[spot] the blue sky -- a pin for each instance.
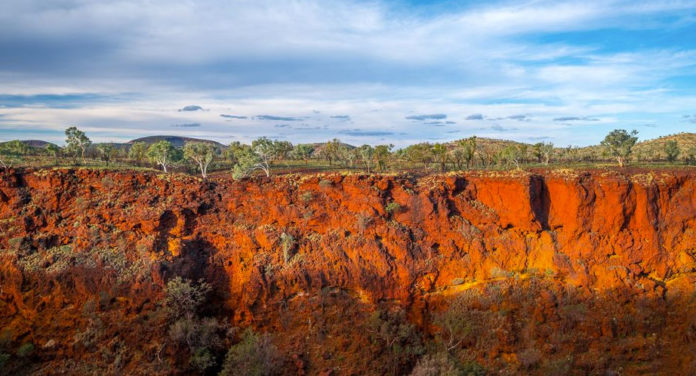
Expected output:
(390, 71)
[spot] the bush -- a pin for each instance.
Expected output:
(398, 341)
(436, 365)
(254, 355)
(392, 207)
(184, 298)
(306, 197)
(288, 242)
(4, 358)
(201, 337)
(25, 350)
(202, 359)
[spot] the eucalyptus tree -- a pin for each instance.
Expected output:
(202, 153)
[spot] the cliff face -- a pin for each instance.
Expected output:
(271, 247)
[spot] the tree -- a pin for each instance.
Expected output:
(138, 151)
(303, 152)
(512, 155)
(265, 150)
(330, 150)
(201, 153)
(457, 157)
(367, 155)
(419, 153)
(619, 144)
(53, 150)
(254, 355)
(258, 156)
(162, 153)
(282, 150)
(107, 152)
(234, 150)
(672, 150)
(468, 147)
(382, 155)
(348, 155)
(12, 149)
(542, 152)
(440, 155)
(76, 140)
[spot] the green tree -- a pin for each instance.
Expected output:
(54, 151)
(331, 150)
(672, 150)
(281, 150)
(138, 151)
(201, 153)
(77, 141)
(542, 152)
(419, 153)
(256, 157)
(162, 153)
(468, 147)
(233, 151)
(107, 152)
(512, 155)
(439, 152)
(303, 152)
(382, 156)
(367, 156)
(14, 149)
(254, 355)
(619, 144)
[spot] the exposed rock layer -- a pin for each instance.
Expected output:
(264, 243)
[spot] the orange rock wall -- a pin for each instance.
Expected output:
(264, 241)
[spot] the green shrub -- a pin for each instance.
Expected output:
(25, 350)
(436, 365)
(288, 242)
(4, 358)
(392, 207)
(202, 359)
(254, 355)
(185, 298)
(397, 339)
(306, 197)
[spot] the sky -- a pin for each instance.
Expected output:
(383, 71)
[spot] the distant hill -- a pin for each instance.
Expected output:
(655, 148)
(177, 141)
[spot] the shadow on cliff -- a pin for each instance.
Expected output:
(196, 262)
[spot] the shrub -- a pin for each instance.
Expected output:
(364, 221)
(184, 298)
(306, 197)
(436, 365)
(529, 358)
(288, 242)
(392, 207)
(254, 355)
(202, 359)
(4, 358)
(201, 337)
(25, 350)
(325, 183)
(398, 340)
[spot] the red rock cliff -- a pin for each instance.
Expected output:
(266, 243)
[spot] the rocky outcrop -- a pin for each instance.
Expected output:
(115, 237)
